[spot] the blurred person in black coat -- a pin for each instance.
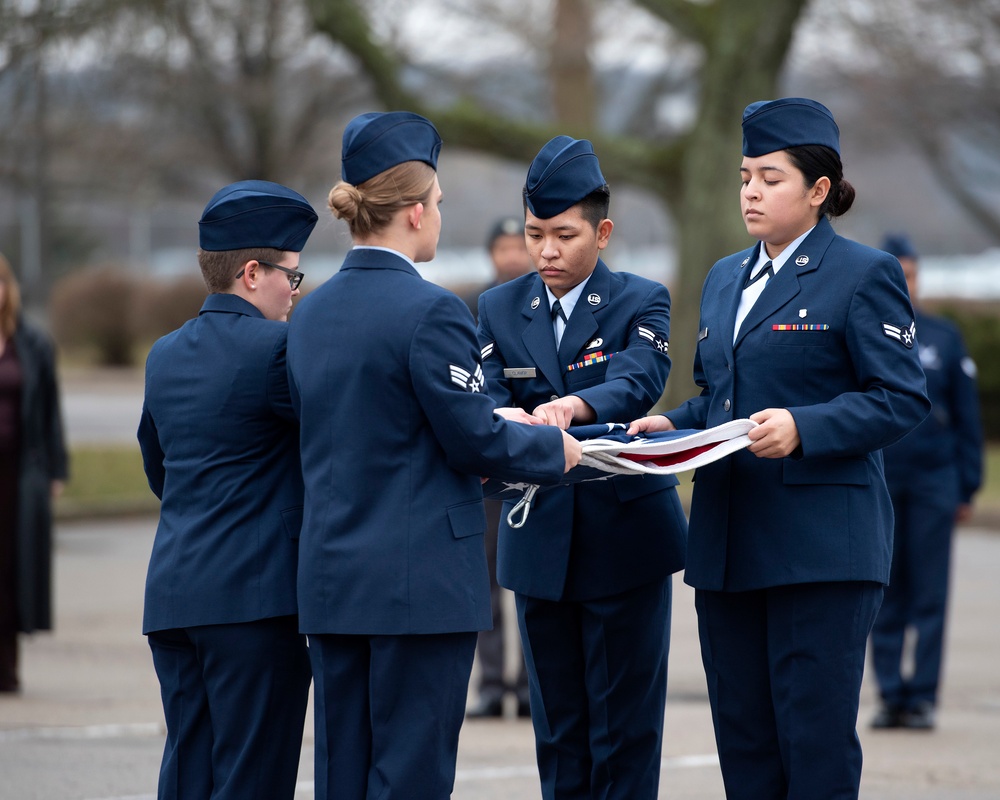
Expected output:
(33, 467)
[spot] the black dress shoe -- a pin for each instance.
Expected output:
(887, 717)
(920, 718)
(485, 709)
(523, 709)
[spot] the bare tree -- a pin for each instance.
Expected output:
(242, 86)
(742, 48)
(29, 41)
(928, 71)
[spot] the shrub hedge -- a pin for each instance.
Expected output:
(110, 316)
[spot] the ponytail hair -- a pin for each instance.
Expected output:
(369, 207)
(816, 161)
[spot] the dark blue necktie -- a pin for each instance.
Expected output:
(768, 269)
(558, 312)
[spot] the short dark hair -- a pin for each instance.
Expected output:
(815, 161)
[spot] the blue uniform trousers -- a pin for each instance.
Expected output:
(918, 589)
(235, 698)
(388, 713)
(598, 681)
(784, 668)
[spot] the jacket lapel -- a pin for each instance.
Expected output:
(729, 297)
(785, 285)
(538, 336)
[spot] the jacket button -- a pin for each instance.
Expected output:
(554, 397)
(727, 405)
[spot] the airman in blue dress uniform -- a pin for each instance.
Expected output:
(591, 569)
(932, 474)
(811, 335)
(396, 429)
(219, 443)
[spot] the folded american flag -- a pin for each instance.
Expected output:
(608, 450)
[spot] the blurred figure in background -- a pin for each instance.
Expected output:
(33, 467)
(510, 259)
(932, 474)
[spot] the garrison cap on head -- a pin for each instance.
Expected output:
(256, 214)
(505, 226)
(770, 125)
(899, 245)
(377, 141)
(564, 172)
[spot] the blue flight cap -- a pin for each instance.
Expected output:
(377, 141)
(256, 214)
(564, 172)
(770, 125)
(899, 245)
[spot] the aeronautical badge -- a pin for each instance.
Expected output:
(906, 335)
(473, 381)
(660, 344)
(487, 350)
(593, 343)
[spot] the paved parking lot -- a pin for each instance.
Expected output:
(88, 725)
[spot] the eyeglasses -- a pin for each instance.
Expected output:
(294, 276)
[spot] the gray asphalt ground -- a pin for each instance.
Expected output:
(88, 724)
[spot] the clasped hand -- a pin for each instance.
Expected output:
(775, 436)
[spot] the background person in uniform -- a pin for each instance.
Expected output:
(509, 258)
(577, 343)
(810, 335)
(396, 429)
(932, 474)
(33, 468)
(219, 444)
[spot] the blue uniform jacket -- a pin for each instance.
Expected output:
(951, 437)
(219, 445)
(830, 340)
(602, 537)
(396, 430)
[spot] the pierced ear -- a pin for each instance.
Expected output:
(250, 274)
